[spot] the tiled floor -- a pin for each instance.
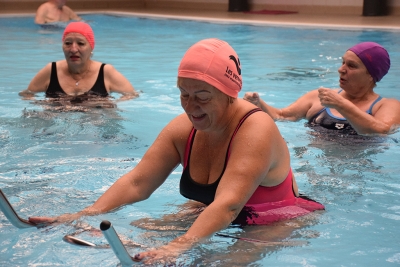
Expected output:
(302, 20)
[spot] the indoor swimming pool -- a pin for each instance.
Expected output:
(54, 162)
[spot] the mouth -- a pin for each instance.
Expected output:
(73, 58)
(198, 117)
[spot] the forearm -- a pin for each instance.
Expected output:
(128, 96)
(121, 193)
(361, 121)
(208, 223)
(26, 93)
(273, 112)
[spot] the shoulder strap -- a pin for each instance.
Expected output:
(369, 111)
(188, 147)
(228, 153)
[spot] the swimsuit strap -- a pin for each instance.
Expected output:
(190, 140)
(237, 129)
(369, 111)
(188, 147)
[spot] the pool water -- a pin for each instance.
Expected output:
(59, 162)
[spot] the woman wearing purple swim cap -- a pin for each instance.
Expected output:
(353, 109)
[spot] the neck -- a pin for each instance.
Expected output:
(359, 97)
(79, 75)
(225, 129)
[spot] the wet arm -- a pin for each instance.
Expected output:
(40, 17)
(137, 185)
(72, 15)
(382, 121)
(118, 83)
(158, 162)
(39, 83)
(294, 112)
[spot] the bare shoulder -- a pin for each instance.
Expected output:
(44, 6)
(177, 131)
(107, 67)
(180, 126)
(67, 9)
(258, 125)
(387, 103)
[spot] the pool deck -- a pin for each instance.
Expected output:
(350, 22)
(391, 23)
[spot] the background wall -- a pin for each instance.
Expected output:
(352, 7)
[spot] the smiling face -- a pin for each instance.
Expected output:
(353, 73)
(204, 104)
(77, 49)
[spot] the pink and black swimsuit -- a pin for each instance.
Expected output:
(266, 205)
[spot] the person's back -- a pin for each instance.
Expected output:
(54, 11)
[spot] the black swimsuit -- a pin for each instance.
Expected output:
(55, 91)
(327, 120)
(203, 193)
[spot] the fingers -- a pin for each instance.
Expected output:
(252, 97)
(41, 220)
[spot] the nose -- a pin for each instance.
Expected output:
(341, 69)
(74, 47)
(189, 104)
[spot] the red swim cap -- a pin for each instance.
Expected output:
(215, 62)
(82, 28)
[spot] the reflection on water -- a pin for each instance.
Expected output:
(341, 165)
(294, 74)
(234, 246)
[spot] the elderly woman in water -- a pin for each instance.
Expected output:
(78, 77)
(353, 109)
(235, 161)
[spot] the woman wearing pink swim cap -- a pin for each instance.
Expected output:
(355, 109)
(236, 165)
(78, 77)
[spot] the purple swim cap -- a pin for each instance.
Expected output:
(375, 58)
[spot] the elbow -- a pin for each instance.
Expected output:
(233, 212)
(380, 129)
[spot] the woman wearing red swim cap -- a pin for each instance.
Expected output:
(78, 74)
(236, 163)
(353, 109)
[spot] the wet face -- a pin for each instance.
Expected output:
(204, 104)
(77, 49)
(353, 74)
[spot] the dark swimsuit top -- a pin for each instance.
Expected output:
(204, 193)
(326, 119)
(55, 91)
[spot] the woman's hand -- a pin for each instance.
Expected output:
(168, 253)
(329, 98)
(253, 98)
(45, 221)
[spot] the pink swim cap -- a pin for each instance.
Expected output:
(375, 58)
(215, 62)
(82, 28)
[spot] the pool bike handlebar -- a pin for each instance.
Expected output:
(11, 215)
